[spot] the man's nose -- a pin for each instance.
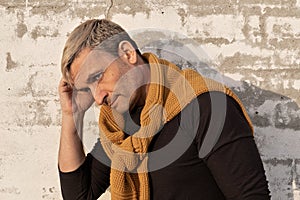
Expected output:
(99, 95)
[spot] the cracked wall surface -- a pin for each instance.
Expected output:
(253, 46)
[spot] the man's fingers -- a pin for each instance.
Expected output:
(64, 86)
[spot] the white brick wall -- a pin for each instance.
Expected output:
(254, 44)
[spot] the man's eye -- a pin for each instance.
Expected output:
(97, 76)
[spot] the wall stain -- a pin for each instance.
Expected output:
(283, 12)
(54, 7)
(29, 88)
(230, 63)
(21, 26)
(183, 16)
(285, 43)
(274, 162)
(10, 190)
(216, 41)
(83, 10)
(296, 171)
(39, 31)
(133, 7)
(10, 64)
(34, 113)
(287, 115)
(21, 29)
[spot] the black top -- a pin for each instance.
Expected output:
(205, 152)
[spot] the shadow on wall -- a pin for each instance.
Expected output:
(266, 108)
(272, 114)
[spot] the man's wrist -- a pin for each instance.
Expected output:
(73, 116)
(72, 122)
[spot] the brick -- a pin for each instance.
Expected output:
(293, 12)
(279, 176)
(216, 27)
(269, 2)
(244, 61)
(287, 59)
(250, 10)
(12, 3)
(252, 30)
(283, 27)
(269, 139)
(289, 43)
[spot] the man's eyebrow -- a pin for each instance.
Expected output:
(91, 76)
(81, 89)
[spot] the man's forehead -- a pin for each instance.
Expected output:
(88, 62)
(86, 55)
(78, 61)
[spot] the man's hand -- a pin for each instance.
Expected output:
(73, 101)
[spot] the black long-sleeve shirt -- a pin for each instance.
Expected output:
(230, 169)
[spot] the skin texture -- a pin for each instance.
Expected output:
(101, 78)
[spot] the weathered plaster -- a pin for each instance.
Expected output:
(250, 45)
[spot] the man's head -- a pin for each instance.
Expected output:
(101, 60)
(95, 33)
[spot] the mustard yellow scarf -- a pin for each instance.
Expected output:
(170, 90)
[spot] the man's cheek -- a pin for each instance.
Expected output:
(84, 100)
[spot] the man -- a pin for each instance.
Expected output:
(164, 133)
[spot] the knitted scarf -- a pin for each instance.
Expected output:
(169, 91)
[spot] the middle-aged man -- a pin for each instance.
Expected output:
(165, 133)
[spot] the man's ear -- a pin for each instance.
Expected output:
(127, 52)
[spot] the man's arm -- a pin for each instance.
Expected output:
(71, 154)
(234, 161)
(87, 182)
(81, 177)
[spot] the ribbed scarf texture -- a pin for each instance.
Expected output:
(169, 91)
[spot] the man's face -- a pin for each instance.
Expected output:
(109, 80)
